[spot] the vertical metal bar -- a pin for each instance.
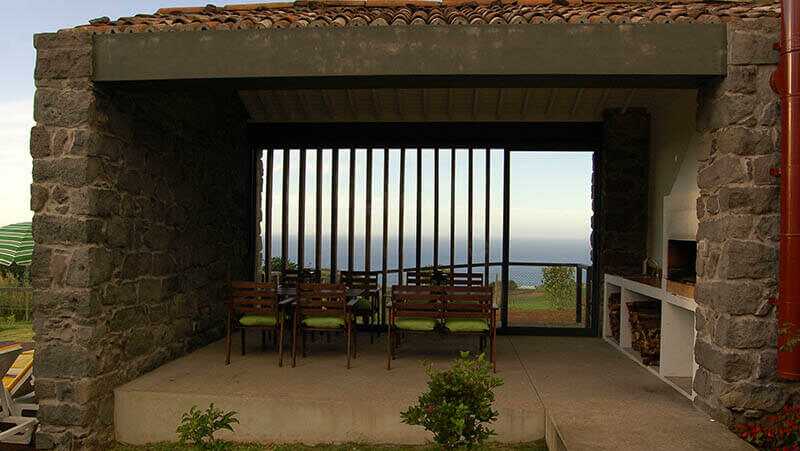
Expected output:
(589, 298)
(418, 242)
(301, 211)
(351, 204)
(469, 211)
(385, 262)
(334, 211)
(487, 214)
(452, 209)
(318, 221)
(252, 215)
(368, 214)
(436, 208)
(506, 224)
(268, 215)
(401, 213)
(578, 293)
(285, 212)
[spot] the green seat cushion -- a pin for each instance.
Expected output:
(466, 325)
(363, 304)
(257, 320)
(418, 324)
(324, 322)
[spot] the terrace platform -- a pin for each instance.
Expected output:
(577, 391)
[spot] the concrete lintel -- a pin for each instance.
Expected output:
(601, 50)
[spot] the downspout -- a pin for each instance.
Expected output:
(786, 82)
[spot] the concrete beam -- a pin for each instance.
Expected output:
(653, 51)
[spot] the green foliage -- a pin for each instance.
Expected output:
(15, 276)
(275, 264)
(790, 335)
(558, 283)
(197, 427)
(779, 431)
(457, 407)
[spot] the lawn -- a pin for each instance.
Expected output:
(19, 332)
(535, 446)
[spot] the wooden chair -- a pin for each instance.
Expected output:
(291, 277)
(464, 279)
(469, 310)
(254, 305)
(414, 309)
(367, 306)
(421, 278)
(322, 307)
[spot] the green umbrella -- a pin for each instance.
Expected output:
(16, 244)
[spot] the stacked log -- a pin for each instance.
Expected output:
(645, 320)
(614, 301)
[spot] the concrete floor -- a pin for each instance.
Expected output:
(587, 396)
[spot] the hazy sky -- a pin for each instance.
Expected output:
(550, 191)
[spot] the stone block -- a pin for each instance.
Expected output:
(767, 227)
(730, 226)
(65, 62)
(64, 108)
(71, 172)
(92, 201)
(748, 46)
(750, 199)
(749, 259)
(40, 141)
(63, 360)
(740, 80)
(89, 266)
(739, 297)
(52, 229)
(66, 414)
(743, 141)
(722, 171)
(729, 365)
(61, 39)
(39, 195)
(745, 395)
(746, 332)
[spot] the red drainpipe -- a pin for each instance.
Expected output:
(786, 82)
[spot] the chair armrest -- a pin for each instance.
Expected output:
(288, 300)
(352, 302)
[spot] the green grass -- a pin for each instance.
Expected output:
(21, 332)
(534, 446)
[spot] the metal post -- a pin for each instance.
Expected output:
(285, 212)
(436, 208)
(418, 242)
(469, 212)
(452, 210)
(268, 215)
(401, 213)
(351, 204)
(318, 222)
(334, 211)
(487, 214)
(385, 262)
(368, 215)
(578, 294)
(506, 223)
(301, 211)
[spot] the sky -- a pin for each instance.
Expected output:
(551, 195)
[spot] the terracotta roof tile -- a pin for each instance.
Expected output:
(341, 13)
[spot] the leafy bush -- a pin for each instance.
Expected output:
(779, 431)
(276, 262)
(457, 407)
(197, 427)
(558, 283)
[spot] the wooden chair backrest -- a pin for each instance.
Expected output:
(416, 301)
(421, 278)
(359, 279)
(463, 279)
(467, 302)
(322, 299)
(255, 298)
(291, 277)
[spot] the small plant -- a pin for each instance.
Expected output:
(457, 407)
(197, 427)
(790, 335)
(775, 432)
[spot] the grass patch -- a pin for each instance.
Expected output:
(19, 332)
(534, 446)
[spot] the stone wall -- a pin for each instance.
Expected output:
(141, 214)
(737, 237)
(620, 217)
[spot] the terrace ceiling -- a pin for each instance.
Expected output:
(482, 104)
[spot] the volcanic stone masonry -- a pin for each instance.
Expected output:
(738, 210)
(140, 200)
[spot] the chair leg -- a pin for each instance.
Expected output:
(243, 343)
(280, 343)
(354, 333)
(303, 342)
(263, 340)
(228, 340)
(349, 333)
(389, 348)
(294, 342)
(493, 350)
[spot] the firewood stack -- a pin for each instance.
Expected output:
(613, 314)
(645, 319)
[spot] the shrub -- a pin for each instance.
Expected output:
(779, 431)
(457, 407)
(197, 427)
(558, 283)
